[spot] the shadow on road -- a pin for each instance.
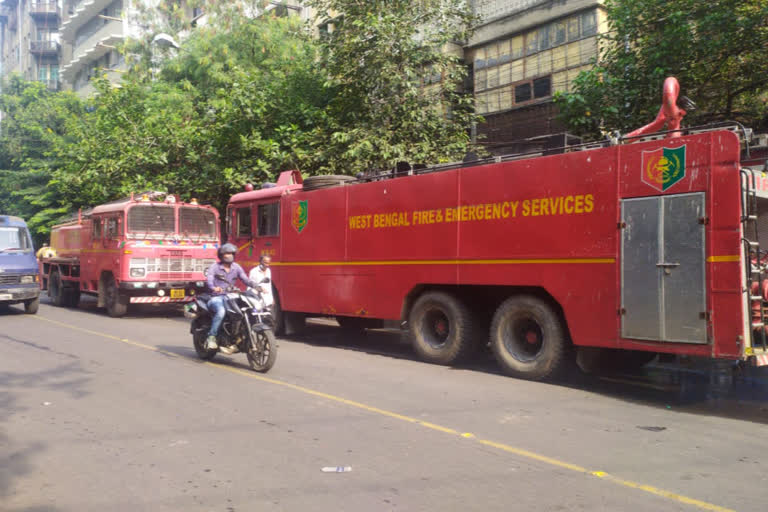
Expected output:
(697, 386)
(69, 376)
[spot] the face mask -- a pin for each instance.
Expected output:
(228, 258)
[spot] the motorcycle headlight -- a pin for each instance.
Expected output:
(138, 272)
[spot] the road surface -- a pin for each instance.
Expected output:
(119, 415)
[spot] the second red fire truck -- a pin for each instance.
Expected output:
(136, 250)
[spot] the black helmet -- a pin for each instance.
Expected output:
(227, 249)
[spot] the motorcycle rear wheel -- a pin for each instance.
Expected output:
(262, 358)
(198, 340)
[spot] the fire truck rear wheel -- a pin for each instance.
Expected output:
(441, 328)
(528, 338)
(117, 305)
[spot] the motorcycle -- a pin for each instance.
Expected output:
(247, 327)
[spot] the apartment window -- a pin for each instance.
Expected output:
(523, 92)
(589, 23)
(542, 87)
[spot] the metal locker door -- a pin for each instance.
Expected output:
(640, 284)
(683, 269)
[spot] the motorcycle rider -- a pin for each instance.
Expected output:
(222, 276)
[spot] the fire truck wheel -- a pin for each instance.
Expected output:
(441, 328)
(72, 297)
(278, 318)
(116, 305)
(528, 338)
(56, 289)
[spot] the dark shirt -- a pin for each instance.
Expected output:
(219, 277)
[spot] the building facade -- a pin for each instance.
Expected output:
(30, 43)
(521, 54)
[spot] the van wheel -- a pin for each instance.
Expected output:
(528, 338)
(31, 306)
(441, 328)
(117, 305)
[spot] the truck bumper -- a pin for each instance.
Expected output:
(16, 294)
(163, 293)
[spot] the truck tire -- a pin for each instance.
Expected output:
(31, 306)
(71, 297)
(117, 305)
(527, 338)
(56, 289)
(441, 328)
(278, 317)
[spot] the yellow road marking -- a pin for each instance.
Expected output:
(444, 262)
(720, 259)
(383, 412)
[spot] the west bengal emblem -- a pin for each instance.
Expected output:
(663, 167)
(299, 215)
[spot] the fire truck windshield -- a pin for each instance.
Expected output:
(152, 219)
(197, 222)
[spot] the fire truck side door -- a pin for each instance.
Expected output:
(266, 236)
(663, 269)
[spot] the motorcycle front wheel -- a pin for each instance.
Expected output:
(262, 353)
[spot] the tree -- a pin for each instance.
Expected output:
(378, 58)
(718, 50)
(34, 125)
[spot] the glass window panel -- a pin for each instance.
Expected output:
(573, 28)
(557, 33)
(505, 51)
(505, 98)
(589, 23)
(516, 71)
(531, 67)
(493, 77)
(269, 219)
(560, 82)
(480, 103)
(558, 58)
(517, 47)
(505, 74)
(493, 101)
(532, 42)
(588, 49)
(481, 80)
(523, 93)
(543, 37)
(573, 54)
(545, 62)
(542, 87)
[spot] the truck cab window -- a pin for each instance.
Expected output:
(243, 222)
(269, 219)
(113, 228)
(96, 232)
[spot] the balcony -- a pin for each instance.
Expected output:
(82, 12)
(45, 10)
(44, 47)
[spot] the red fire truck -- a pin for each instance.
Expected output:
(650, 244)
(132, 251)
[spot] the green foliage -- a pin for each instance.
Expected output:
(377, 57)
(34, 124)
(717, 50)
(242, 99)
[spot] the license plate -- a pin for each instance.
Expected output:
(6, 296)
(177, 294)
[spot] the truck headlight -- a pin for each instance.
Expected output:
(27, 279)
(138, 272)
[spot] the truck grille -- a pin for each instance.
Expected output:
(181, 268)
(10, 279)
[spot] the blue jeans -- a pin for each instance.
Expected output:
(216, 305)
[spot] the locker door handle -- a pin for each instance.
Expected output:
(667, 265)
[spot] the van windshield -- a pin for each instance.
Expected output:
(14, 239)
